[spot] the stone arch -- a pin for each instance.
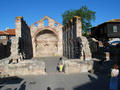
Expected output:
(45, 28)
(46, 42)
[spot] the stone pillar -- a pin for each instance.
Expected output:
(41, 25)
(18, 24)
(14, 48)
(34, 46)
(15, 40)
(60, 42)
(82, 55)
(86, 48)
(78, 26)
(51, 23)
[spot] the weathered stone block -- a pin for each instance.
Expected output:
(24, 68)
(77, 66)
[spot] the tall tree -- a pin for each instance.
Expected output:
(86, 16)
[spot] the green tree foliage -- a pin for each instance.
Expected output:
(86, 16)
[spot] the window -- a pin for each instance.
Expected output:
(2, 37)
(114, 28)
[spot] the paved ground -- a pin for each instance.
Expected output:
(83, 81)
(56, 81)
(50, 63)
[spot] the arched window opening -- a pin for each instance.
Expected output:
(36, 24)
(46, 22)
(55, 24)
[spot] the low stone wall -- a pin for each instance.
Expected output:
(77, 66)
(27, 67)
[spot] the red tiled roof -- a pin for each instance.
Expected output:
(11, 31)
(8, 32)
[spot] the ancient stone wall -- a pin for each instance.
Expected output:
(25, 41)
(71, 32)
(46, 38)
(41, 39)
(86, 51)
(15, 40)
(74, 44)
(77, 66)
(94, 47)
(27, 67)
(21, 44)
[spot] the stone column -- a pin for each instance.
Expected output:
(15, 40)
(41, 25)
(34, 48)
(51, 23)
(60, 42)
(18, 23)
(78, 26)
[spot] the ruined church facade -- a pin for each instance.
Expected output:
(46, 37)
(43, 38)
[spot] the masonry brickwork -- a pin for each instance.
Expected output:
(21, 44)
(25, 41)
(74, 44)
(46, 38)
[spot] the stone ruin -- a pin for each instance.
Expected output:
(40, 39)
(52, 39)
(21, 48)
(46, 38)
(74, 44)
(77, 48)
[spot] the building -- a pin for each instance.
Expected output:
(46, 37)
(43, 38)
(107, 30)
(108, 35)
(5, 44)
(6, 35)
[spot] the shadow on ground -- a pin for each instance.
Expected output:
(102, 71)
(23, 86)
(10, 80)
(99, 83)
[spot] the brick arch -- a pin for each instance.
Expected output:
(45, 47)
(45, 28)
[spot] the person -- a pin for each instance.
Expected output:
(60, 64)
(114, 78)
(48, 88)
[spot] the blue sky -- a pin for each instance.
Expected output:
(34, 10)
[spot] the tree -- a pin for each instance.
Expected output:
(86, 16)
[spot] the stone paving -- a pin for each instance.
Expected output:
(54, 80)
(50, 63)
(84, 81)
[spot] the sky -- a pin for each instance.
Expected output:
(34, 10)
